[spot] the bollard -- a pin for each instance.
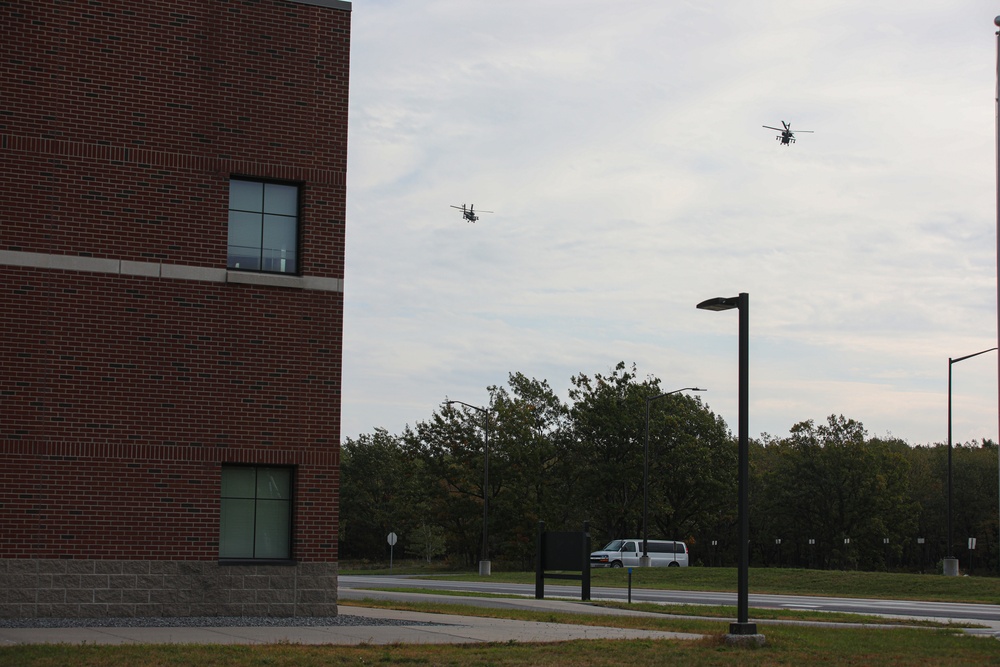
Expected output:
(630, 585)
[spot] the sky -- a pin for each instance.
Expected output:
(620, 147)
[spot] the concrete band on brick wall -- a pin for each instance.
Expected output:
(57, 588)
(170, 271)
(331, 4)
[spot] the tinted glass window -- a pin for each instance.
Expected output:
(255, 513)
(263, 226)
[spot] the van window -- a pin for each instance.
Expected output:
(629, 546)
(613, 545)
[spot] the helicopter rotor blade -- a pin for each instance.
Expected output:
(777, 129)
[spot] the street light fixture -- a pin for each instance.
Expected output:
(484, 563)
(742, 627)
(644, 561)
(950, 563)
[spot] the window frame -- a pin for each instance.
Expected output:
(300, 191)
(243, 560)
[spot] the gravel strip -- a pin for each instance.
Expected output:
(203, 622)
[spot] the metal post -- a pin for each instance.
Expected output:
(742, 303)
(644, 560)
(996, 22)
(484, 564)
(950, 563)
(743, 587)
(540, 563)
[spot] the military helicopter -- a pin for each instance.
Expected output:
(787, 136)
(468, 213)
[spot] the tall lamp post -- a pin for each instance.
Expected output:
(484, 563)
(950, 563)
(996, 22)
(644, 561)
(743, 626)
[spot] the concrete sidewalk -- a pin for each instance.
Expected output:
(444, 629)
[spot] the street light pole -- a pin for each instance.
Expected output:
(484, 563)
(950, 563)
(743, 626)
(644, 561)
(996, 22)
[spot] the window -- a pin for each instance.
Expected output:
(263, 226)
(256, 513)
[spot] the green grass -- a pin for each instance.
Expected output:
(408, 566)
(798, 615)
(830, 583)
(786, 645)
(705, 611)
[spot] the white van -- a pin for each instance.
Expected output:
(626, 553)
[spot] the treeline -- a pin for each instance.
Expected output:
(826, 495)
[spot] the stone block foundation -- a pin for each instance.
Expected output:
(63, 588)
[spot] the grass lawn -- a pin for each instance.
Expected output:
(702, 611)
(786, 645)
(831, 583)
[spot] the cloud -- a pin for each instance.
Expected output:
(622, 151)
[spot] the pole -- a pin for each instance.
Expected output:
(996, 22)
(644, 562)
(742, 627)
(947, 552)
(484, 565)
(950, 563)
(743, 586)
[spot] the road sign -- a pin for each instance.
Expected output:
(391, 539)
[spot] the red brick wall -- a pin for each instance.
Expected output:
(121, 123)
(198, 77)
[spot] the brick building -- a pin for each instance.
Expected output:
(171, 287)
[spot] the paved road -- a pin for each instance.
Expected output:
(984, 613)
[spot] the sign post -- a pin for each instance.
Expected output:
(563, 552)
(391, 539)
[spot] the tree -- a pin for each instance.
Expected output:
(450, 449)
(608, 416)
(377, 494)
(692, 469)
(974, 511)
(528, 461)
(427, 542)
(692, 458)
(832, 483)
